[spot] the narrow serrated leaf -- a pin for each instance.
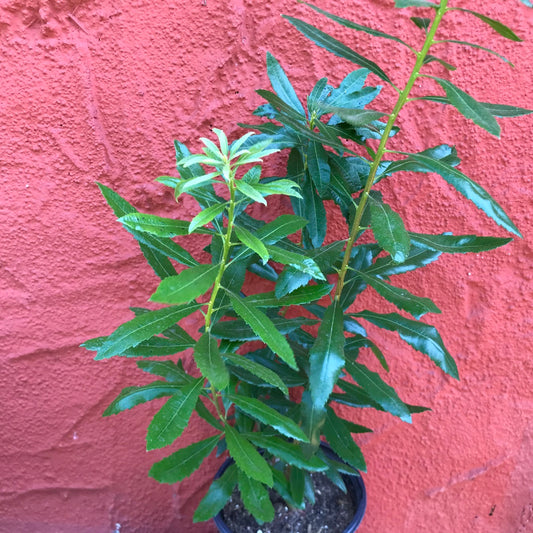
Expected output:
(389, 231)
(358, 27)
(291, 453)
(382, 393)
(264, 328)
(414, 3)
(340, 440)
(457, 244)
(496, 25)
(469, 107)
(218, 494)
(170, 421)
(252, 242)
(205, 216)
(247, 458)
(143, 327)
(281, 84)
(470, 190)
(401, 298)
(326, 357)
(420, 336)
(335, 47)
(263, 413)
(256, 498)
(210, 362)
(187, 285)
(263, 373)
(159, 226)
(133, 396)
(184, 462)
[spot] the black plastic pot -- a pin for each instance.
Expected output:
(354, 484)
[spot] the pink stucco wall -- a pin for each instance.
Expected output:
(98, 90)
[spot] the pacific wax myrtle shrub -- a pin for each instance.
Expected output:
(269, 407)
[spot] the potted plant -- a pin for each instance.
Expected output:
(274, 358)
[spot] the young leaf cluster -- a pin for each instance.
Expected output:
(271, 406)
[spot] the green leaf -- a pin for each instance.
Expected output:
(499, 110)
(205, 216)
(169, 370)
(319, 93)
(298, 261)
(153, 347)
(292, 454)
(197, 182)
(290, 280)
(297, 487)
(159, 262)
(317, 161)
(470, 189)
(260, 411)
(312, 209)
(457, 244)
(384, 395)
(218, 494)
(133, 396)
(422, 23)
(473, 45)
(281, 84)
(247, 458)
(355, 117)
(143, 327)
(414, 3)
(264, 328)
(496, 25)
(252, 242)
(467, 106)
(158, 226)
(418, 257)
(239, 330)
(326, 357)
(313, 417)
(283, 110)
(155, 250)
(353, 344)
(431, 59)
(302, 295)
(389, 231)
(358, 27)
(335, 47)
(420, 336)
(184, 462)
(170, 421)
(258, 370)
(280, 186)
(255, 498)
(401, 298)
(340, 440)
(250, 191)
(166, 247)
(187, 285)
(210, 362)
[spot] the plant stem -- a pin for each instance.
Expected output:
(226, 250)
(402, 99)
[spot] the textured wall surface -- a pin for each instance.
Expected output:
(96, 90)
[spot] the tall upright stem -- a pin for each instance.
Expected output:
(225, 252)
(402, 99)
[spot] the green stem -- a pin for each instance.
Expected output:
(402, 99)
(225, 253)
(215, 395)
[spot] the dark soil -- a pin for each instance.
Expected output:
(331, 513)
